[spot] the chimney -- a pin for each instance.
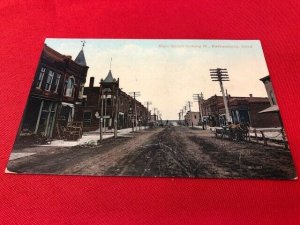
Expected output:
(251, 95)
(92, 79)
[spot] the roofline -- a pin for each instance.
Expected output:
(47, 48)
(232, 97)
(265, 78)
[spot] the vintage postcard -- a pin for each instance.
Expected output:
(155, 108)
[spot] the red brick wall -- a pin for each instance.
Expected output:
(262, 119)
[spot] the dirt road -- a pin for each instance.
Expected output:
(163, 152)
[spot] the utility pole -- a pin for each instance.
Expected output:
(189, 104)
(199, 98)
(148, 104)
(185, 109)
(135, 95)
(116, 100)
(221, 75)
(181, 111)
(101, 117)
(105, 107)
(159, 116)
(154, 113)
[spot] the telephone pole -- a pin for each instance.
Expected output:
(189, 104)
(135, 94)
(101, 117)
(116, 103)
(184, 109)
(181, 111)
(221, 75)
(154, 113)
(148, 104)
(199, 98)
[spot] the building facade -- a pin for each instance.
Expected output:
(273, 109)
(271, 96)
(269, 88)
(56, 89)
(192, 118)
(110, 102)
(242, 109)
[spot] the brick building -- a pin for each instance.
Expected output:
(242, 109)
(109, 100)
(56, 89)
(192, 118)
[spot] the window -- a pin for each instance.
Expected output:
(80, 95)
(108, 102)
(57, 82)
(49, 80)
(40, 77)
(69, 91)
(87, 118)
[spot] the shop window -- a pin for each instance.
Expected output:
(40, 78)
(81, 89)
(57, 82)
(87, 118)
(49, 80)
(108, 102)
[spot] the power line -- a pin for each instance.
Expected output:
(135, 94)
(189, 104)
(199, 98)
(221, 75)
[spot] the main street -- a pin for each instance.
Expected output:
(174, 151)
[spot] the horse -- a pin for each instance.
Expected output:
(239, 131)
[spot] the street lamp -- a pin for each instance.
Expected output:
(97, 115)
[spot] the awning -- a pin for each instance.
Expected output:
(67, 104)
(273, 108)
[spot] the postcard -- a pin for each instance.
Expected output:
(152, 108)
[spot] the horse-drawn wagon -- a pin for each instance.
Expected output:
(235, 132)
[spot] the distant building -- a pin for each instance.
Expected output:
(211, 110)
(56, 90)
(105, 100)
(242, 109)
(154, 119)
(192, 118)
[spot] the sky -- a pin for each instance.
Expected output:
(168, 72)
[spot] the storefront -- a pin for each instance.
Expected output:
(39, 117)
(66, 113)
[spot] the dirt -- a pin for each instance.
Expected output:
(164, 152)
(88, 160)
